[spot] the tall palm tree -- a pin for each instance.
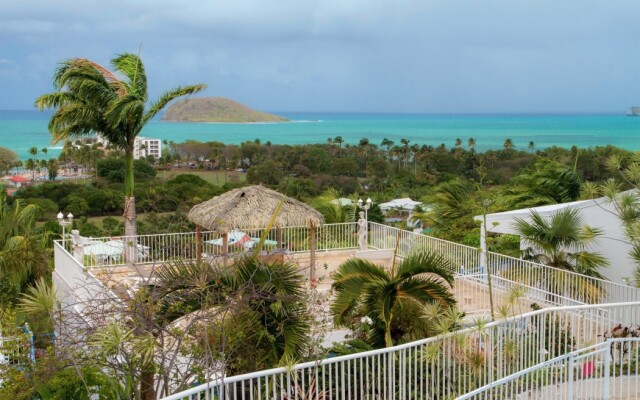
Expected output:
(471, 143)
(508, 144)
(388, 144)
(366, 289)
(405, 150)
(91, 99)
(563, 242)
(531, 146)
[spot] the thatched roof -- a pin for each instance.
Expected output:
(252, 207)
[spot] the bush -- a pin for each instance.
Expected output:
(113, 170)
(48, 208)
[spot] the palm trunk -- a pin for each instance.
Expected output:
(388, 340)
(146, 383)
(129, 210)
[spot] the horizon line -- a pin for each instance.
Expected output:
(461, 113)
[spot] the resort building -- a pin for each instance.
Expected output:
(142, 147)
(145, 147)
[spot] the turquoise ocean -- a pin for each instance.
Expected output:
(21, 130)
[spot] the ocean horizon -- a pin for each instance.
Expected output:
(22, 129)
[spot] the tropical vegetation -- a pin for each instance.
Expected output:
(364, 289)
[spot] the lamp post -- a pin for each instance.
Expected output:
(365, 207)
(64, 223)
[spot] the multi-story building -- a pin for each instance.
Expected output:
(144, 147)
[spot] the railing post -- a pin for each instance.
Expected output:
(607, 369)
(312, 252)
(570, 376)
(198, 243)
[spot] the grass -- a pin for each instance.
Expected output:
(217, 178)
(141, 216)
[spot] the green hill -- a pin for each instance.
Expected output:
(215, 109)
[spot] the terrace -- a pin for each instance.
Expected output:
(444, 366)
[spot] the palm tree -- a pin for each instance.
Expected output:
(458, 143)
(405, 150)
(31, 165)
(91, 99)
(339, 140)
(508, 144)
(546, 182)
(531, 146)
(388, 144)
(471, 143)
(333, 211)
(563, 242)
(454, 203)
(267, 314)
(23, 255)
(366, 289)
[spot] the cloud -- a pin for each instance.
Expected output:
(357, 55)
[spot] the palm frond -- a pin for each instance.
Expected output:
(168, 96)
(131, 66)
(425, 263)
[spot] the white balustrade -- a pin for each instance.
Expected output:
(439, 367)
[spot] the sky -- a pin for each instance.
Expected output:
(448, 56)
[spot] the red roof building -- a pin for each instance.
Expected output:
(18, 181)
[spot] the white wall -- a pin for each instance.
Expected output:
(595, 213)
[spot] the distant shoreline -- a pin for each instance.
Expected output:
(21, 130)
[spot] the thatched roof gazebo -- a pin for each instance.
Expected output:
(253, 207)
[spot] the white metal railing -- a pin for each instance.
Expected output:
(545, 284)
(607, 370)
(439, 367)
(110, 251)
(16, 349)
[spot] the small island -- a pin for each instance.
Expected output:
(216, 109)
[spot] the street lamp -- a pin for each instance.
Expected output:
(64, 223)
(365, 207)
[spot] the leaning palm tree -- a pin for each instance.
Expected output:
(366, 289)
(563, 242)
(90, 99)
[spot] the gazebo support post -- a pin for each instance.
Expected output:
(225, 248)
(198, 244)
(312, 252)
(279, 236)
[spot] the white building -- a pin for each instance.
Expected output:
(144, 147)
(597, 213)
(405, 204)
